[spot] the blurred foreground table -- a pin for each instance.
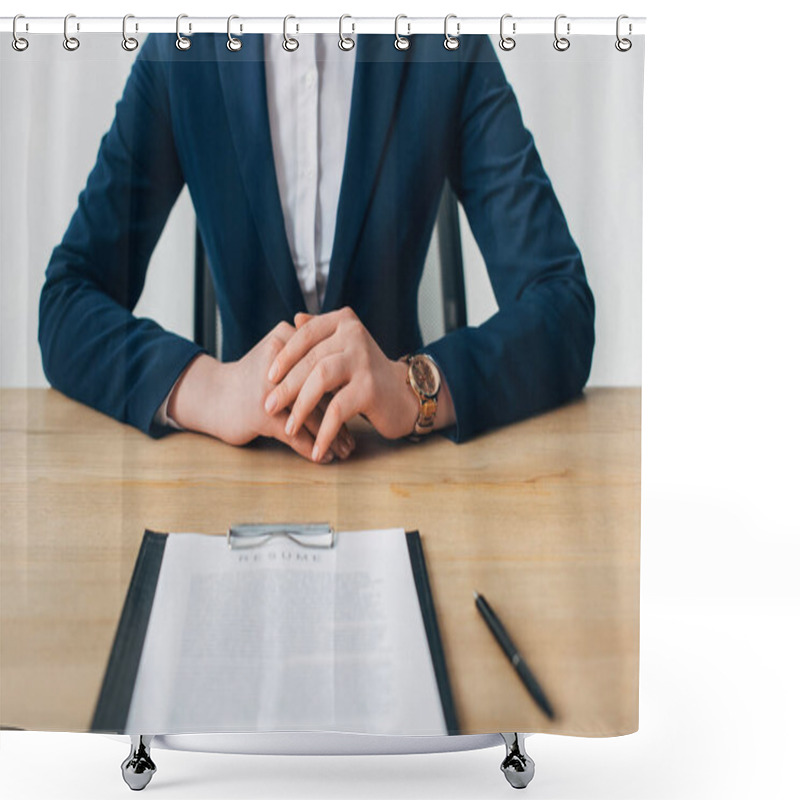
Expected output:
(541, 517)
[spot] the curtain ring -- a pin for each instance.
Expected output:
(345, 42)
(401, 42)
(451, 42)
(561, 43)
(18, 43)
(507, 42)
(181, 42)
(233, 44)
(290, 44)
(70, 42)
(623, 45)
(128, 42)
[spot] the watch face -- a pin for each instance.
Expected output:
(425, 376)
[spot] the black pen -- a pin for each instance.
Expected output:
(510, 649)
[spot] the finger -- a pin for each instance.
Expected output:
(280, 334)
(342, 445)
(286, 390)
(348, 443)
(284, 330)
(344, 432)
(271, 345)
(301, 318)
(329, 374)
(313, 332)
(303, 443)
(343, 406)
(313, 422)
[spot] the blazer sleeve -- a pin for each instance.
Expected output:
(93, 348)
(536, 351)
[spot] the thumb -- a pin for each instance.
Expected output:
(301, 318)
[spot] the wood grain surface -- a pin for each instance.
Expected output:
(542, 517)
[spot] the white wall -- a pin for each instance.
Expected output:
(584, 109)
(54, 108)
(583, 106)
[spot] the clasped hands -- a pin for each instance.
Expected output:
(332, 363)
(300, 384)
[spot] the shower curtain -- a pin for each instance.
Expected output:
(435, 241)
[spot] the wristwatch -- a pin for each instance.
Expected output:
(425, 381)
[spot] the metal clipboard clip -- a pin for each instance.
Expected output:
(317, 535)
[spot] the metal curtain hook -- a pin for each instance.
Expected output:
(451, 42)
(181, 42)
(561, 43)
(70, 42)
(345, 42)
(289, 43)
(128, 42)
(401, 42)
(623, 45)
(233, 44)
(507, 42)
(18, 43)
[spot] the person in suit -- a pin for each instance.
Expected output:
(316, 194)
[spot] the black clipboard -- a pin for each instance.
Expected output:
(111, 712)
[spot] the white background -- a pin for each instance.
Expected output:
(720, 613)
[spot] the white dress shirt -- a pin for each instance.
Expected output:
(308, 99)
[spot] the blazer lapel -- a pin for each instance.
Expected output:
(378, 78)
(244, 90)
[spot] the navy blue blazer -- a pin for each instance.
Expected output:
(200, 117)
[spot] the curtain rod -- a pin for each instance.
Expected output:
(515, 26)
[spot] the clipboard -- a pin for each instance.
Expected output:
(113, 704)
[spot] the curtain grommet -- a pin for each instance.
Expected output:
(507, 42)
(451, 42)
(623, 44)
(290, 44)
(19, 43)
(233, 44)
(70, 43)
(401, 43)
(561, 43)
(181, 42)
(129, 43)
(345, 42)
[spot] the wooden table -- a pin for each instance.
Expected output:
(542, 517)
